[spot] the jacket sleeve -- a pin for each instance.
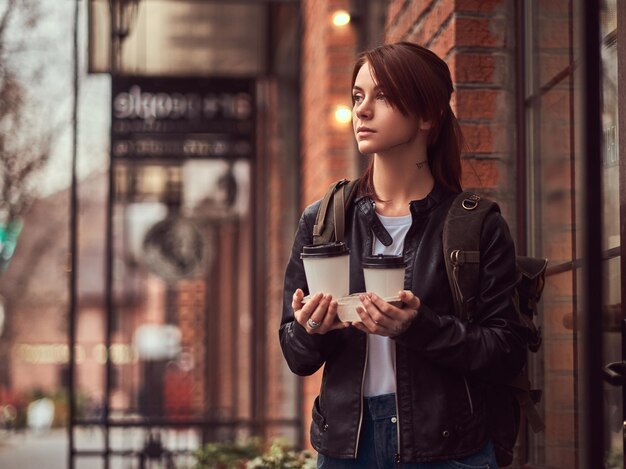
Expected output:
(305, 353)
(492, 346)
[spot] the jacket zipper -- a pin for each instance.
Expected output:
(395, 360)
(358, 432)
(395, 364)
(469, 397)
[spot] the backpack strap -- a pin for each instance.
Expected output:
(330, 220)
(526, 399)
(461, 249)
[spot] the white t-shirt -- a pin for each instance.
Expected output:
(380, 371)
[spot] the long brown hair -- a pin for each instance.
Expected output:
(418, 83)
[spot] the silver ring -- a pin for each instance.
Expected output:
(313, 324)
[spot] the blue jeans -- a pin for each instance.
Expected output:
(379, 444)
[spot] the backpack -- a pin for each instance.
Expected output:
(461, 240)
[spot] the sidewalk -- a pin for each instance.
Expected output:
(48, 450)
(26, 450)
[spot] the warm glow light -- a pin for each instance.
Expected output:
(343, 114)
(341, 18)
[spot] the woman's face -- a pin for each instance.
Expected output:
(378, 126)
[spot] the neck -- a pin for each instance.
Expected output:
(400, 177)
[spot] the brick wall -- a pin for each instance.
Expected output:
(328, 154)
(471, 36)
(328, 56)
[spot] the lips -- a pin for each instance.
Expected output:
(365, 131)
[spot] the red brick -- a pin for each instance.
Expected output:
(477, 103)
(559, 355)
(483, 138)
(477, 68)
(560, 427)
(557, 242)
(480, 32)
(560, 285)
(561, 457)
(554, 8)
(479, 174)
(433, 23)
(559, 392)
(556, 316)
(555, 142)
(552, 64)
(482, 6)
(445, 40)
(554, 33)
(394, 8)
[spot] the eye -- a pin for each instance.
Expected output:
(381, 97)
(357, 98)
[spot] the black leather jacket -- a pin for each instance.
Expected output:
(441, 363)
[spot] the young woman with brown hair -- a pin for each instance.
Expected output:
(403, 386)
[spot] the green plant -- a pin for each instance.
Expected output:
(227, 455)
(250, 455)
(278, 456)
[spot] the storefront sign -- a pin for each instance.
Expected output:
(177, 118)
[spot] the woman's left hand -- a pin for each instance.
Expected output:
(382, 318)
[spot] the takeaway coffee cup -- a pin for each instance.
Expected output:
(384, 274)
(327, 269)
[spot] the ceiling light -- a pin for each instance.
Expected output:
(341, 18)
(343, 114)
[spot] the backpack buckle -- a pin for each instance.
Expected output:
(471, 202)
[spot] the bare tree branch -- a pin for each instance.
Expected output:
(25, 144)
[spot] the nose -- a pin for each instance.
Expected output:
(363, 109)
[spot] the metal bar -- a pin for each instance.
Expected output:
(108, 261)
(234, 318)
(297, 170)
(607, 254)
(590, 132)
(257, 293)
(230, 2)
(621, 110)
(164, 422)
(520, 124)
(73, 247)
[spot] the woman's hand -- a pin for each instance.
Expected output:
(382, 318)
(318, 315)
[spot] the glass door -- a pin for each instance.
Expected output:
(557, 190)
(612, 311)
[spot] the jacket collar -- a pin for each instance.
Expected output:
(434, 197)
(420, 207)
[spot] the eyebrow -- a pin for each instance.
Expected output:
(358, 88)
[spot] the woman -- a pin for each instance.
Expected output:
(403, 387)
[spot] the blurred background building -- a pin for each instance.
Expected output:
(227, 118)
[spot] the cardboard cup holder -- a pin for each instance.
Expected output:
(346, 306)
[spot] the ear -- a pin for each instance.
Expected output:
(425, 125)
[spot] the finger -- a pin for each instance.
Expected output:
(311, 305)
(366, 319)
(409, 299)
(381, 312)
(331, 314)
(303, 312)
(385, 309)
(296, 301)
(316, 320)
